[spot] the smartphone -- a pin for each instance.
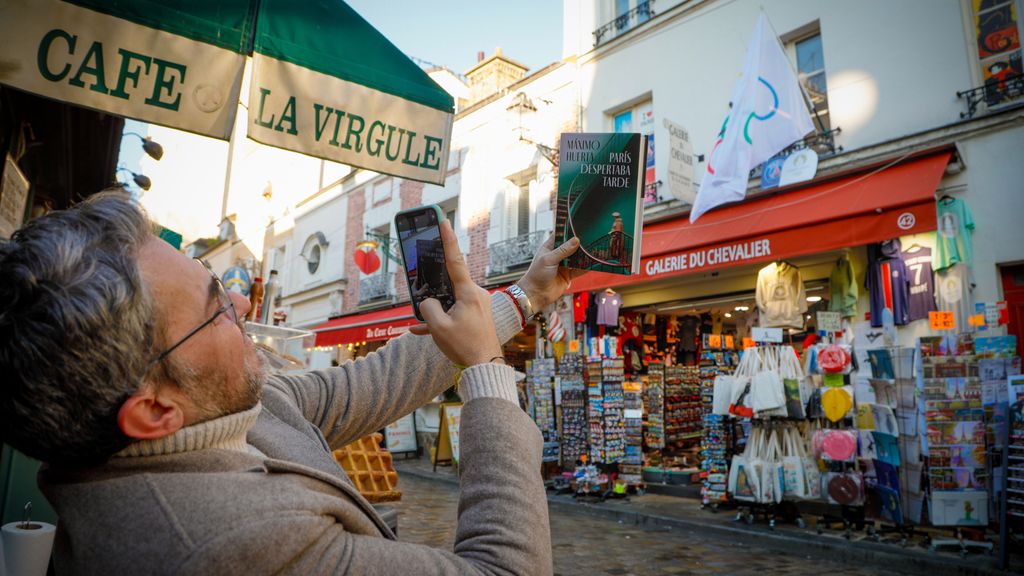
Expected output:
(419, 236)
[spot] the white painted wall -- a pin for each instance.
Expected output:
(900, 79)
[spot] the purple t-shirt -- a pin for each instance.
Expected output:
(922, 282)
(608, 309)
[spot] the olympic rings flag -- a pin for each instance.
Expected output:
(768, 114)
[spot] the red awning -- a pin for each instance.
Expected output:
(892, 200)
(376, 325)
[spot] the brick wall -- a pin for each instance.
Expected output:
(476, 260)
(353, 234)
(410, 196)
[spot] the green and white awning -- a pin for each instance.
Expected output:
(325, 82)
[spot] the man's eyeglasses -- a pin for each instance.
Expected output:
(225, 305)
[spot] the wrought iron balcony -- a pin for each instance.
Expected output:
(824, 143)
(514, 253)
(993, 93)
(624, 22)
(374, 288)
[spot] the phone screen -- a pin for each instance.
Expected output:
(420, 235)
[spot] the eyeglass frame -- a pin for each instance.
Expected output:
(222, 296)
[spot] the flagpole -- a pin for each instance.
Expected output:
(796, 73)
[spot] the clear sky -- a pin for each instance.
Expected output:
(450, 32)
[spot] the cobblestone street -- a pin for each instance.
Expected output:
(587, 545)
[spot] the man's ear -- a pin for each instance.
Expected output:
(150, 414)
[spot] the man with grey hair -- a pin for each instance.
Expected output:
(168, 450)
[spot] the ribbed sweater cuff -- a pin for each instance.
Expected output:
(489, 380)
(506, 318)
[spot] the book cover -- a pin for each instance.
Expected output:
(600, 200)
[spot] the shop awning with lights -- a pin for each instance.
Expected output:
(887, 201)
(376, 325)
(324, 82)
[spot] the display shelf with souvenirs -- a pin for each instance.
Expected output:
(633, 408)
(595, 410)
(1011, 505)
(716, 439)
(682, 407)
(613, 419)
(540, 373)
(654, 400)
(575, 426)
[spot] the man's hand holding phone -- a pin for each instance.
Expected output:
(465, 334)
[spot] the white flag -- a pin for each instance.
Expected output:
(768, 114)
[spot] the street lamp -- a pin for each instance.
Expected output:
(141, 180)
(150, 146)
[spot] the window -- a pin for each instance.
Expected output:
(381, 191)
(640, 118)
(517, 202)
(523, 214)
(313, 258)
(312, 251)
(810, 65)
(998, 30)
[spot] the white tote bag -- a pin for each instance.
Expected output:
(767, 393)
(723, 394)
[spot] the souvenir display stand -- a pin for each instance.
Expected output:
(890, 445)
(540, 374)
(717, 436)
(1011, 501)
(573, 410)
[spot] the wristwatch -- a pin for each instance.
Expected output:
(522, 300)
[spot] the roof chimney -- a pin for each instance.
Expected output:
(480, 56)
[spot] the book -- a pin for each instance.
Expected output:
(600, 200)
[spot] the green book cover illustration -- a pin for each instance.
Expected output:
(600, 200)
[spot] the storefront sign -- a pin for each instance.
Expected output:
(295, 108)
(385, 332)
(799, 167)
(13, 195)
(77, 55)
(830, 322)
(941, 320)
(680, 163)
(709, 257)
(401, 435)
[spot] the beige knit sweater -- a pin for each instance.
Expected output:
(204, 501)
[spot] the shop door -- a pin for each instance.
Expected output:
(1013, 292)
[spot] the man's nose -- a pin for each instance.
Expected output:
(242, 304)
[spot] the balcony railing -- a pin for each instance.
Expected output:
(514, 253)
(374, 288)
(624, 22)
(993, 93)
(824, 143)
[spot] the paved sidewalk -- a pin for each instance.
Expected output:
(658, 512)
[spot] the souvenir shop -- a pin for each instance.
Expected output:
(838, 370)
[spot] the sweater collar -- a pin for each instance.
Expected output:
(226, 433)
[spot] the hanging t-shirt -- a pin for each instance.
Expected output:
(608, 308)
(688, 333)
(780, 296)
(843, 291)
(953, 240)
(887, 282)
(580, 301)
(918, 260)
(953, 287)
